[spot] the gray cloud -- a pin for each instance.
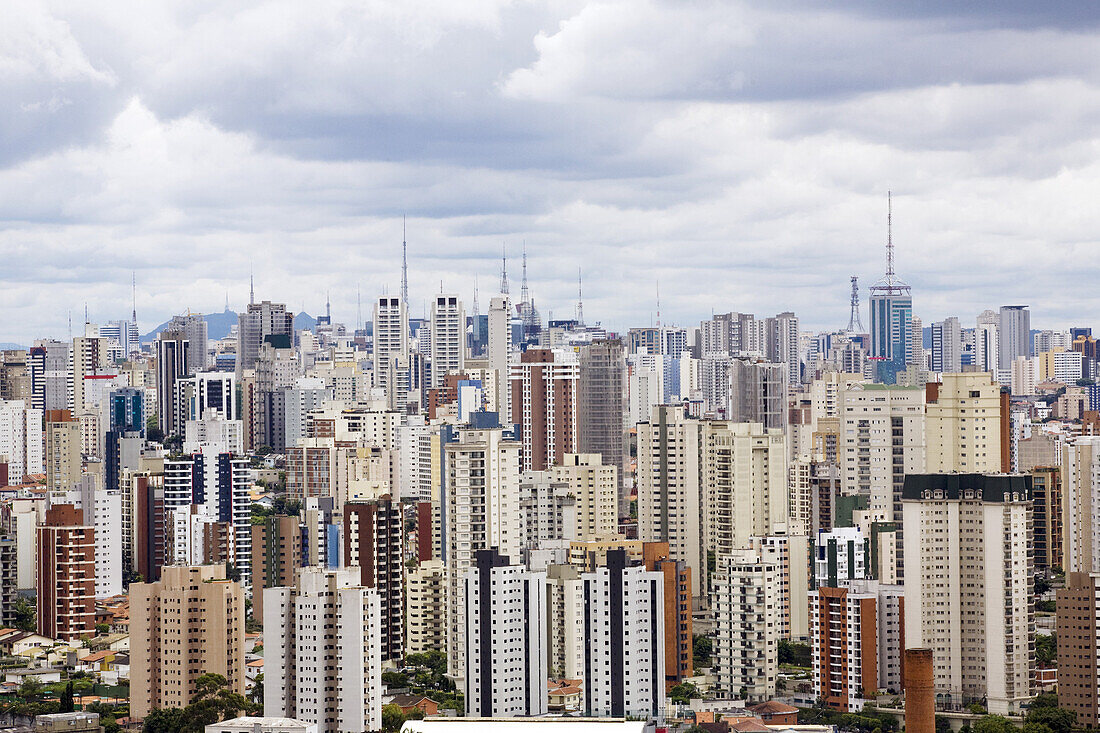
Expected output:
(737, 153)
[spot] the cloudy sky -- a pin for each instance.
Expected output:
(737, 153)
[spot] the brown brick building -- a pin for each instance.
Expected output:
(66, 575)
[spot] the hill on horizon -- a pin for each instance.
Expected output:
(218, 325)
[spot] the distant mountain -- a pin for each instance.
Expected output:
(5, 345)
(218, 325)
(304, 322)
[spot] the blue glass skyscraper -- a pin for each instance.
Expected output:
(891, 317)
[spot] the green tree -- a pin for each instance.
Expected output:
(993, 724)
(1042, 585)
(67, 705)
(158, 720)
(392, 718)
(25, 618)
(683, 693)
(1057, 719)
(1046, 648)
(943, 725)
(101, 629)
(394, 679)
(702, 650)
(31, 688)
(1044, 700)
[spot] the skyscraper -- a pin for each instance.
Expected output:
(891, 316)
(505, 638)
(947, 346)
(448, 337)
(1015, 334)
(173, 363)
(322, 661)
(544, 404)
(968, 584)
(254, 325)
(624, 626)
(601, 398)
(66, 575)
(391, 338)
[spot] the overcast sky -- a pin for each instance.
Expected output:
(739, 154)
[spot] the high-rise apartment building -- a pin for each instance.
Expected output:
(624, 624)
(482, 495)
(1081, 505)
(189, 623)
(21, 439)
(505, 638)
(448, 346)
(373, 542)
(746, 600)
(499, 353)
(856, 641)
(276, 557)
(1047, 530)
(968, 584)
(782, 346)
(391, 338)
(544, 405)
(594, 486)
(758, 393)
(708, 486)
(259, 321)
(48, 365)
(967, 425)
(173, 363)
(1014, 334)
(947, 345)
(322, 660)
(66, 574)
(679, 641)
(601, 402)
(194, 329)
(1077, 619)
(426, 608)
(88, 358)
(882, 439)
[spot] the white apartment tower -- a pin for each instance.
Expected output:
(746, 602)
(391, 337)
(1081, 505)
(500, 352)
(21, 441)
(480, 512)
(624, 626)
(448, 347)
(968, 584)
(322, 656)
(505, 639)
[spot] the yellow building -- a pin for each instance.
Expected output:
(966, 425)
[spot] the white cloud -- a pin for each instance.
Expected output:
(738, 153)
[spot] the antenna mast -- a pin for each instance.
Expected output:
(524, 293)
(580, 300)
(404, 265)
(503, 270)
(855, 323)
(133, 283)
(477, 310)
(889, 236)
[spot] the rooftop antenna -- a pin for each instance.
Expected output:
(133, 283)
(523, 292)
(889, 284)
(86, 321)
(580, 300)
(855, 323)
(503, 269)
(226, 301)
(70, 324)
(404, 264)
(477, 309)
(889, 235)
(358, 309)
(251, 285)
(328, 307)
